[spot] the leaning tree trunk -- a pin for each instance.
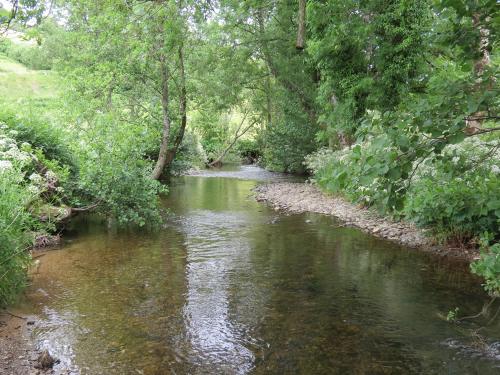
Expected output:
(237, 135)
(163, 154)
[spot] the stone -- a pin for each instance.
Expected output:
(45, 361)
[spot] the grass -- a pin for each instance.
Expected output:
(36, 90)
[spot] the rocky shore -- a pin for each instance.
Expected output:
(305, 197)
(18, 355)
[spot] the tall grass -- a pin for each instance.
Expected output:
(14, 223)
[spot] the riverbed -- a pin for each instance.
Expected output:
(230, 286)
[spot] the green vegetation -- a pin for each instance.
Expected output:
(393, 105)
(14, 224)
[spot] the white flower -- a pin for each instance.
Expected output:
(51, 176)
(36, 178)
(34, 189)
(5, 164)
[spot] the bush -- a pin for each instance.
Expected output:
(367, 173)
(121, 188)
(4, 45)
(190, 155)
(114, 173)
(454, 193)
(32, 56)
(457, 193)
(488, 266)
(458, 209)
(248, 150)
(40, 135)
(287, 144)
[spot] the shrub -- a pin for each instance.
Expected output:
(287, 144)
(190, 155)
(115, 174)
(456, 193)
(367, 173)
(4, 45)
(32, 56)
(488, 266)
(457, 209)
(248, 150)
(40, 135)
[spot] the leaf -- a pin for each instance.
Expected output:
(472, 105)
(456, 138)
(394, 173)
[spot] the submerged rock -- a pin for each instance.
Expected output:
(45, 361)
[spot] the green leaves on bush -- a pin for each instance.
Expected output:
(488, 266)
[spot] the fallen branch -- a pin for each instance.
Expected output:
(237, 136)
(86, 208)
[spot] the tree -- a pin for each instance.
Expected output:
(132, 65)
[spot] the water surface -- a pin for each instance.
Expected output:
(232, 287)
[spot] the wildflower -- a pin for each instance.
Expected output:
(5, 164)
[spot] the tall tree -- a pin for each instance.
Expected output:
(135, 57)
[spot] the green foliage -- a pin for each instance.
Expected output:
(121, 188)
(191, 154)
(40, 134)
(113, 172)
(14, 224)
(289, 137)
(213, 129)
(248, 149)
(452, 315)
(401, 109)
(286, 146)
(22, 188)
(454, 196)
(488, 266)
(369, 56)
(454, 193)
(32, 56)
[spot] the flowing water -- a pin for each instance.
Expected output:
(231, 287)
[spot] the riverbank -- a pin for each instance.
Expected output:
(18, 354)
(305, 197)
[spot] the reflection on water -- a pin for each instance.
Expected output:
(231, 287)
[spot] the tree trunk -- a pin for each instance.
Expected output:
(474, 121)
(301, 31)
(290, 85)
(183, 110)
(162, 155)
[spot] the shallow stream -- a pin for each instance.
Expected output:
(230, 286)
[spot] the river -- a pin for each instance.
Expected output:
(230, 286)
